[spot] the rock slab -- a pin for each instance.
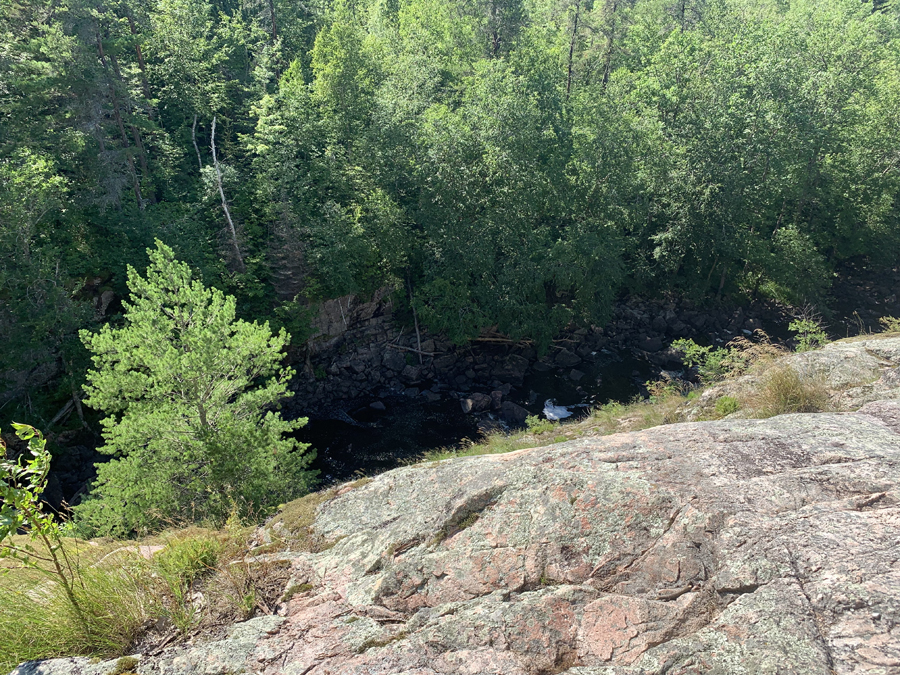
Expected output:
(739, 547)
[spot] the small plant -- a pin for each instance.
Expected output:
(125, 665)
(810, 333)
(469, 520)
(537, 425)
(179, 566)
(735, 358)
(727, 405)
(713, 363)
(890, 324)
(21, 509)
(294, 589)
(320, 373)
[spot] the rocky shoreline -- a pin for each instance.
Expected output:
(361, 356)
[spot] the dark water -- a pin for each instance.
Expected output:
(385, 439)
(382, 440)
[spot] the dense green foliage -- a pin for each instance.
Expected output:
(509, 163)
(189, 392)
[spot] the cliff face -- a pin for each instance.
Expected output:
(731, 547)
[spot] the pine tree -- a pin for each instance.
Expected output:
(191, 394)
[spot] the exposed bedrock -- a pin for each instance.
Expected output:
(739, 546)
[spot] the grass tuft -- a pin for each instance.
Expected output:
(38, 622)
(783, 390)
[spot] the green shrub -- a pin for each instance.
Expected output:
(890, 324)
(726, 405)
(538, 425)
(809, 333)
(713, 363)
(735, 358)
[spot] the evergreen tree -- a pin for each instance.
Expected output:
(190, 392)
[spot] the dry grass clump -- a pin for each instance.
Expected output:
(784, 390)
(615, 418)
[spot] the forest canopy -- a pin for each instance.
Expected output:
(510, 163)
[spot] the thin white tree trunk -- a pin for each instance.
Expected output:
(194, 138)
(234, 240)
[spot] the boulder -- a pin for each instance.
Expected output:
(480, 402)
(566, 359)
(650, 344)
(496, 399)
(512, 413)
(444, 363)
(393, 360)
(511, 369)
(474, 403)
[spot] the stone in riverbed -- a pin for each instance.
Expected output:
(512, 413)
(650, 344)
(444, 363)
(566, 359)
(511, 369)
(496, 399)
(393, 360)
(411, 374)
(476, 402)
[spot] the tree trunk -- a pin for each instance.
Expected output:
(135, 132)
(610, 43)
(194, 139)
(272, 14)
(572, 48)
(234, 239)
